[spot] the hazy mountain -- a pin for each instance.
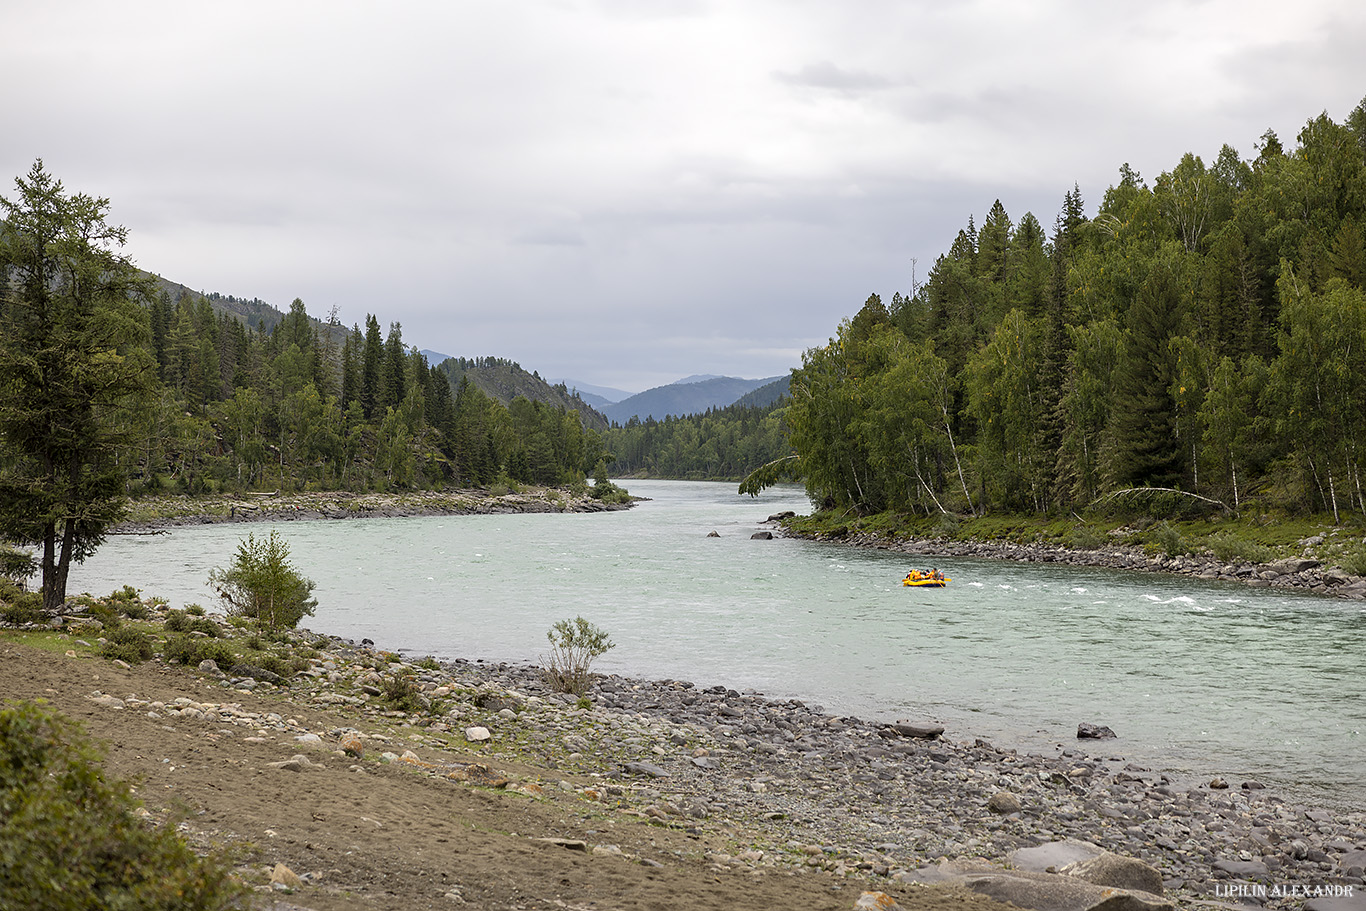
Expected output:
(766, 395)
(692, 396)
(597, 396)
(433, 357)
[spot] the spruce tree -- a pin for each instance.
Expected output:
(74, 346)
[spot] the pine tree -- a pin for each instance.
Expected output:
(74, 346)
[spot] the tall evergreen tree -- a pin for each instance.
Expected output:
(72, 349)
(1143, 442)
(372, 360)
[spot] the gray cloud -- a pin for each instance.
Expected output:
(622, 192)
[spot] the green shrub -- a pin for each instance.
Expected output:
(203, 625)
(276, 665)
(177, 621)
(262, 585)
(23, 607)
(947, 524)
(194, 610)
(1228, 548)
(110, 617)
(128, 644)
(1083, 537)
(185, 649)
(1162, 538)
(69, 840)
(574, 644)
(1353, 561)
(402, 694)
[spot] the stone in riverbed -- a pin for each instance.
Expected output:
(876, 901)
(1087, 731)
(1004, 802)
(1243, 869)
(1117, 872)
(351, 744)
(923, 731)
(1053, 855)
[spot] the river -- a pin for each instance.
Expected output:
(1196, 677)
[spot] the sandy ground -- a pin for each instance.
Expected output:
(372, 835)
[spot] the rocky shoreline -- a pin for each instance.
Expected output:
(770, 786)
(896, 799)
(150, 514)
(794, 788)
(1306, 573)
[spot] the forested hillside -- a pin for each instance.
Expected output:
(304, 405)
(1205, 331)
(721, 444)
(505, 380)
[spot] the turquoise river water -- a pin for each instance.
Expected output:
(1198, 678)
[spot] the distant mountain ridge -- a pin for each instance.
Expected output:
(690, 396)
(504, 380)
(597, 396)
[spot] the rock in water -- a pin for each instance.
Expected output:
(1087, 731)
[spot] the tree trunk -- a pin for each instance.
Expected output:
(52, 597)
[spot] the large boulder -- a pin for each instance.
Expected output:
(1117, 872)
(1053, 856)
(1038, 891)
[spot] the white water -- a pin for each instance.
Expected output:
(1196, 677)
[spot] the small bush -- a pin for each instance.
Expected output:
(276, 665)
(23, 607)
(947, 525)
(1165, 539)
(69, 839)
(185, 649)
(402, 694)
(203, 625)
(1083, 537)
(263, 585)
(110, 617)
(574, 644)
(1353, 562)
(127, 644)
(1228, 548)
(194, 610)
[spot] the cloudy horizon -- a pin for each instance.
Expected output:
(626, 192)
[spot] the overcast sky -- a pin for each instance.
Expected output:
(626, 192)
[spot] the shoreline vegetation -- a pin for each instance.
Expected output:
(146, 514)
(354, 777)
(1307, 556)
